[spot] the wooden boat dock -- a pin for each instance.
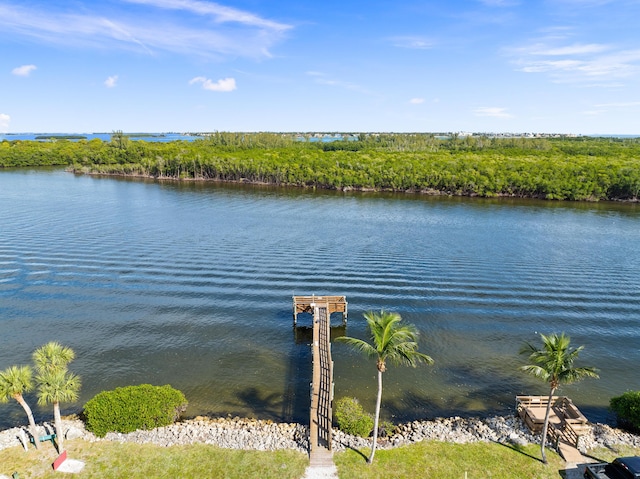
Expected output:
(566, 423)
(321, 412)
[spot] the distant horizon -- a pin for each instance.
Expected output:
(568, 66)
(324, 132)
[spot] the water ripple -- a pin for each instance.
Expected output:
(192, 285)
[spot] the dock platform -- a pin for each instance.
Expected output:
(566, 423)
(321, 412)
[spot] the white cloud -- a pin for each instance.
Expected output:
(494, 112)
(586, 3)
(4, 122)
(575, 49)
(111, 81)
(322, 79)
(416, 101)
(220, 13)
(24, 70)
(223, 85)
(586, 64)
(571, 70)
(203, 28)
(412, 42)
(499, 3)
(622, 104)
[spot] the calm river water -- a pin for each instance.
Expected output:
(191, 285)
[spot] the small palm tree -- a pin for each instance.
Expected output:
(54, 388)
(14, 382)
(55, 383)
(553, 363)
(390, 341)
(53, 357)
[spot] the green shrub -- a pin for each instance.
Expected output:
(131, 408)
(627, 407)
(351, 418)
(386, 429)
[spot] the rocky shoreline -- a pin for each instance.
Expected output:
(254, 434)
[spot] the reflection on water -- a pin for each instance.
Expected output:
(191, 284)
(304, 334)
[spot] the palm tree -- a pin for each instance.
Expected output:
(14, 382)
(390, 341)
(54, 388)
(55, 383)
(53, 357)
(553, 363)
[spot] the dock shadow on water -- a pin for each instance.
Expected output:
(296, 396)
(296, 399)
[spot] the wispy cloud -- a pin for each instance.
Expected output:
(322, 79)
(24, 70)
(492, 111)
(586, 3)
(412, 42)
(575, 49)
(111, 81)
(617, 106)
(416, 101)
(222, 85)
(202, 28)
(220, 13)
(500, 3)
(4, 122)
(585, 64)
(621, 104)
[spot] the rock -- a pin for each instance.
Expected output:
(515, 439)
(74, 433)
(238, 433)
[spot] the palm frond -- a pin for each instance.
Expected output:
(390, 340)
(57, 387)
(15, 380)
(52, 357)
(359, 345)
(553, 362)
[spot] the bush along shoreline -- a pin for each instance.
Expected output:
(576, 169)
(266, 435)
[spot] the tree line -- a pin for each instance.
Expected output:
(581, 168)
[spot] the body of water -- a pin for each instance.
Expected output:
(162, 137)
(191, 284)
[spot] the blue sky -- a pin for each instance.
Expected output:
(568, 66)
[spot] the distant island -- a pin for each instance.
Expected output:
(552, 167)
(60, 137)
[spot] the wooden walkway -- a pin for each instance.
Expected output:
(322, 383)
(566, 423)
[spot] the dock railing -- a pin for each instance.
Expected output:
(564, 418)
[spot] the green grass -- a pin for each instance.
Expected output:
(106, 460)
(422, 460)
(451, 461)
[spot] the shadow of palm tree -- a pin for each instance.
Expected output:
(360, 453)
(264, 405)
(518, 449)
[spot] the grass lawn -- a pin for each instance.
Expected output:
(451, 461)
(114, 460)
(422, 460)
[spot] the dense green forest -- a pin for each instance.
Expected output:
(581, 168)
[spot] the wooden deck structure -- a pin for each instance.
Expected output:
(566, 423)
(304, 304)
(322, 383)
